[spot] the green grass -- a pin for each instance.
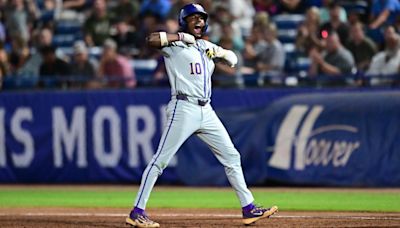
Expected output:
(332, 200)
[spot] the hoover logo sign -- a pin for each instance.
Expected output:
(325, 144)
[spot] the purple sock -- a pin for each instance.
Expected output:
(138, 211)
(248, 207)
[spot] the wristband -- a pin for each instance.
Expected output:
(163, 39)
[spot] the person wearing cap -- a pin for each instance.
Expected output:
(115, 68)
(83, 70)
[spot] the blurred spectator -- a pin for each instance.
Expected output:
(254, 45)
(42, 39)
(242, 12)
(73, 4)
(48, 9)
(126, 38)
(158, 8)
(82, 69)
(261, 19)
(387, 62)
(176, 6)
(126, 10)
(353, 17)
(336, 61)
(49, 5)
(384, 12)
(293, 6)
(4, 64)
(53, 67)
(115, 68)
(97, 26)
(325, 15)
(237, 41)
(171, 25)
(20, 17)
(308, 36)
(160, 77)
(70, 9)
(150, 23)
(3, 34)
(335, 24)
(397, 24)
(362, 47)
(271, 59)
(357, 11)
(19, 55)
(208, 5)
(233, 75)
(225, 25)
(268, 6)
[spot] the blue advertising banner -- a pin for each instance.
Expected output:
(93, 136)
(342, 139)
(97, 136)
(330, 138)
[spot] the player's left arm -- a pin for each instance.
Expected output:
(219, 52)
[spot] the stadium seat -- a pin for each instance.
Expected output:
(302, 64)
(291, 57)
(68, 27)
(66, 50)
(144, 69)
(288, 21)
(95, 52)
(287, 35)
(64, 40)
(289, 47)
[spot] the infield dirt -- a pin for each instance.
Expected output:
(111, 217)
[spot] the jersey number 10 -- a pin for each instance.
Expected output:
(195, 68)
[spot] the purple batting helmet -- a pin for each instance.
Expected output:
(190, 9)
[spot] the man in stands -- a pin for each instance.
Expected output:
(115, 68)
(337, 60)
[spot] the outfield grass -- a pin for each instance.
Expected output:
(296, 200)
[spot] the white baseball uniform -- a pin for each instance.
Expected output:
(189, 112)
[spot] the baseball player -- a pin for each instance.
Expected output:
(189, 64)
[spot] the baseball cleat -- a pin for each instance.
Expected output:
(250, 217)
(140, 220)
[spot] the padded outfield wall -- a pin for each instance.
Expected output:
(334, 137)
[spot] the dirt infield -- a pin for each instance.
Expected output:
(83, 217)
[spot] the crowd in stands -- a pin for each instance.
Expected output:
(101, 43)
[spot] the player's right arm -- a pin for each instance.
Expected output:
(163, 39)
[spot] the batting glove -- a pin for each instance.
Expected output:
(215, 52)
(218, 52)
(186, 37)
